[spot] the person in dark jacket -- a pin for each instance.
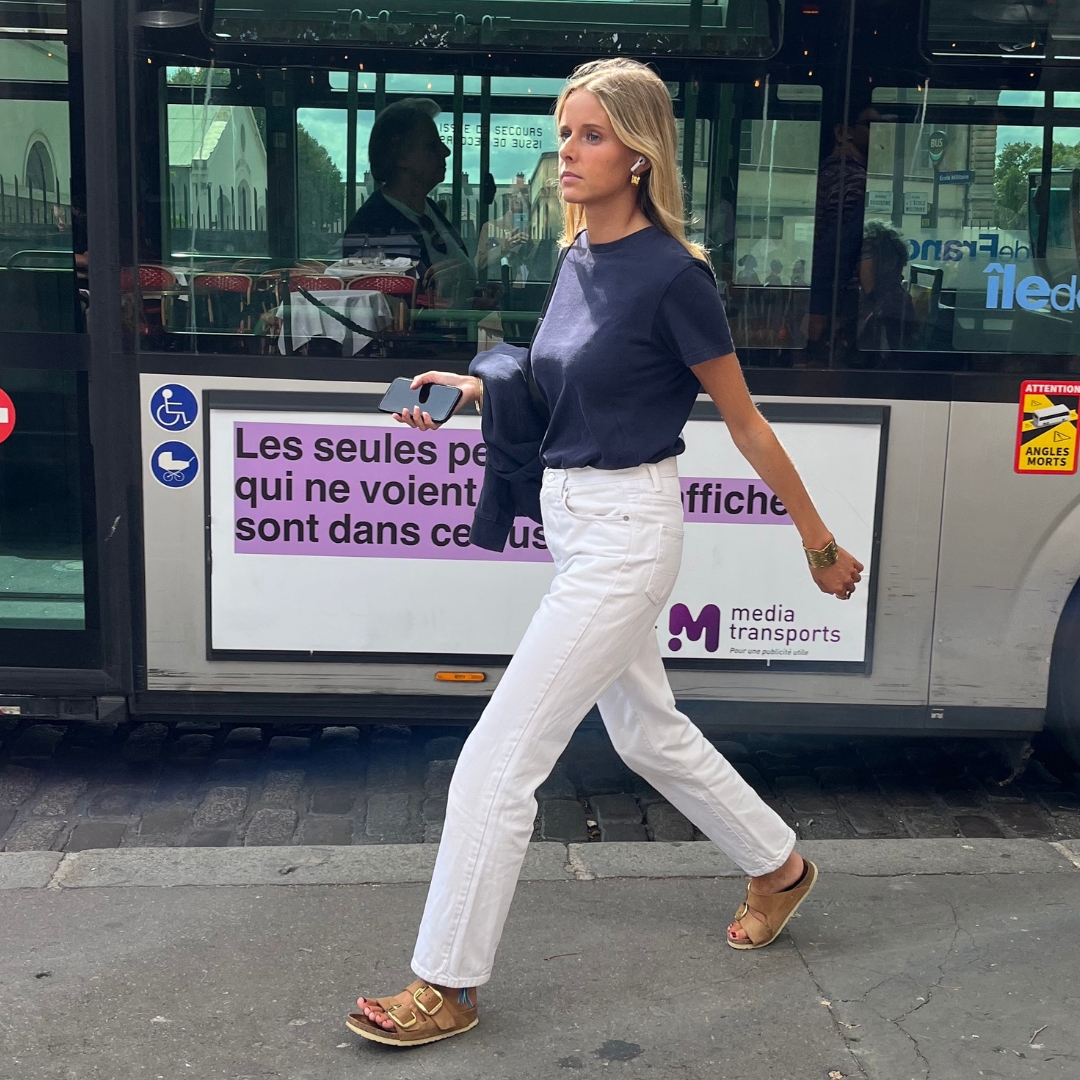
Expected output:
(886, 312)
(408, 160)
(634, 331)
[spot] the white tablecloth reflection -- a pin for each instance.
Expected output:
(350, 268)
(364, 307)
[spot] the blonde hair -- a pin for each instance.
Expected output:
(639, 108)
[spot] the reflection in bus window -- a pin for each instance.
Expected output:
(964, 191)
(773, 233)
(217, 179)
(321, 171)
(41, 530)
(40, 229)
(449, 242)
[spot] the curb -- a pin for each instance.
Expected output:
(399, 864)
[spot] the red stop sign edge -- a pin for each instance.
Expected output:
(7, 427)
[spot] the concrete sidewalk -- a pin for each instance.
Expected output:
(950, 959)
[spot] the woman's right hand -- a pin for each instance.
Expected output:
(469, 386)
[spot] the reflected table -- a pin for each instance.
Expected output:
(365, 308)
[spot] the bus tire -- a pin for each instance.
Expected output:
(1063, 691)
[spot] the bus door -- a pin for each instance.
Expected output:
(48, 586)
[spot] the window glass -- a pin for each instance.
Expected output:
(513, 87)
(339, 80)
(966, 246)
(321, 167)
(773, 230)
(217, 179)
(415, 257)
(40, 229)
(918, 95)
(42, 60)
(41, 527)
(716, 27)
(429, 84)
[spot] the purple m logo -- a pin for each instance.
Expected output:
(681, 620)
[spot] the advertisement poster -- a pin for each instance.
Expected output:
(340, 532)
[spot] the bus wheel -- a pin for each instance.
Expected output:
(1063, 693)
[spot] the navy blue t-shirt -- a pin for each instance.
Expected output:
(612, 357)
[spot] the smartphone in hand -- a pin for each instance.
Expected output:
(437, 400)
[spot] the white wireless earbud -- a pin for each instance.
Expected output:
(637, 165)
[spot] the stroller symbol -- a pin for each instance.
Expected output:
(174, 464)
(172, 470)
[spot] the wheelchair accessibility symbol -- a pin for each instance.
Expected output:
(174, 407)
(174, 464)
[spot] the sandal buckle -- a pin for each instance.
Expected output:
(405, 1024)
(421, 1006)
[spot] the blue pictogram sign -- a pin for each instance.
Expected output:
(174, 464)
(174, 407)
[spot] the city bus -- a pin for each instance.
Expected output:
(214, 260)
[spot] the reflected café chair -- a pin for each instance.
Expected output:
(314, 282)
(226, 297)
(157, 288)
(399, 289)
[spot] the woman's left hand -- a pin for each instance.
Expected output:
(841, 578)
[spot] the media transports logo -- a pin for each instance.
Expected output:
(680, 621)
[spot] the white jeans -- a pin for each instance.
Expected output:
(616, 539)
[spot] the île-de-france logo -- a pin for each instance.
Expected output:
(681, 621)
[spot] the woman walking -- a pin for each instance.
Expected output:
(635, 329)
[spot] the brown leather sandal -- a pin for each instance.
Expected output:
(777, 909)
(421, 1014)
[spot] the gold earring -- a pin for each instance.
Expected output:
(635, 179)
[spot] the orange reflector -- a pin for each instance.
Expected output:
(459, 676)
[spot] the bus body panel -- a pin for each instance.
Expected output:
(1008, 564)
(176, 591)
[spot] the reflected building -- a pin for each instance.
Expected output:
(217, 176)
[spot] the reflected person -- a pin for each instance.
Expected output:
(886, 311)
(838, 225)
(408, 161)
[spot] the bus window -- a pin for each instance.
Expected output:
(41, 228)
(389, 212)
(712, 27)
(953, 198)
(772, 253)
(321, 172)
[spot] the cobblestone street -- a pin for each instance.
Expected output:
(198, 784)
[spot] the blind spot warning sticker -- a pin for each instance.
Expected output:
(1046, 427)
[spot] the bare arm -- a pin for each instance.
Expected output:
(723, 381)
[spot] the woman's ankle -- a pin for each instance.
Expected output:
(783, 876)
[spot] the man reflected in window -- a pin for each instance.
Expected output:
(407, 159)
(838, 234)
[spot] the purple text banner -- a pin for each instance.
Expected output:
(368, 492)
(730, 501)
